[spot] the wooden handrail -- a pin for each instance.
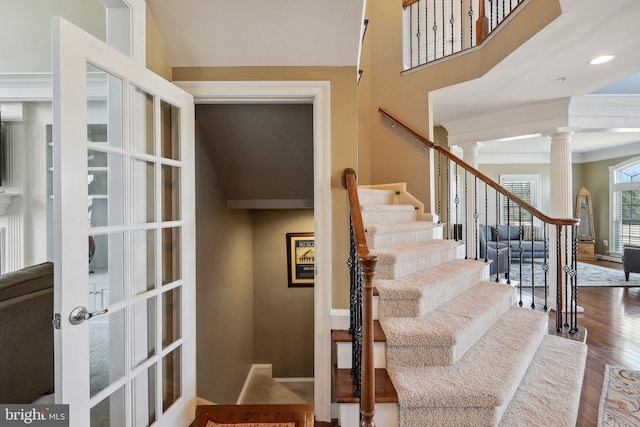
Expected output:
(367, 266)
(493, 184)
(350, 182)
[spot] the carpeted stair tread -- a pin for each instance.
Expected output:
(477, 389)
(403, 260)
(446, 333)
(549, 393)
(391, 234)
(419, 293)
(379, 214)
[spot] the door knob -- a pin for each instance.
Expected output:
(80, 314)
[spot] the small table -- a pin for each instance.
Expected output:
(303, 414)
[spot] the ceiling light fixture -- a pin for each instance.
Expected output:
(601, 59)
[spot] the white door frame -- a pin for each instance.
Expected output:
(318, 93)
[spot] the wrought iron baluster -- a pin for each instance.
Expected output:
(435, 32)
(574, 282)
(410, 37)
(533, 273)
(486, 222)
(475, 214)
(472, 41)
(466, 214)
(452, 20)
(448, 197)
(456, 200)
(567, 278)
(418, 35)
(355, 312)
(426, 31)
(545, 267)
(496, 237)
(439, 187)
(444, 53)
(559, 273)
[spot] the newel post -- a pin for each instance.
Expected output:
(482, 24)
(367, 398)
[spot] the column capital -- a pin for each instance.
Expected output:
(563, 133)
(472, 147)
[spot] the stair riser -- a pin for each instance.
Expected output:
(386, 415)
(376, 197)
(373, 217)
(427, 303)
(391, 240)
(399, 267)
(344, 356)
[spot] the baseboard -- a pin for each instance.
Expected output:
(609, 258)
(202, 401)
(264, 369)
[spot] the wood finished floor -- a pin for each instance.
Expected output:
(612, 319)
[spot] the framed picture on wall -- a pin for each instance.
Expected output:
(300, 259)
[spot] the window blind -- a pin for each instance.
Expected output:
(526, 188)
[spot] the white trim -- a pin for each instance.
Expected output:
(203, 401)
(263, 369)
(319, 93)
(3, 250)
(615, 186)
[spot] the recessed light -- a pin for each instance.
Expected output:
(601, 59)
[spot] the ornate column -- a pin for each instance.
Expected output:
(560, 202)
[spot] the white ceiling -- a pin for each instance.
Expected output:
(221, 33)
(550, 66)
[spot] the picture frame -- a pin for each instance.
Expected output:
(300, 259)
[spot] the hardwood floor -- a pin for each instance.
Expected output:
(612, 320)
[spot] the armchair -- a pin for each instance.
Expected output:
(496, 252)
(630, 260)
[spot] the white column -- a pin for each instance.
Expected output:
(560, 205)
(470, 155)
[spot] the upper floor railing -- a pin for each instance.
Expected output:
(434, 29)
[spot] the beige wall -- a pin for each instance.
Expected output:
(407, 96)
(343, 144)
(594, 176)
(157, 59)
(25, 30)
(224, 289)
(282, 316)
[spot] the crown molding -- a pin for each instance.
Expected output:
(605, 111)
(522, 120)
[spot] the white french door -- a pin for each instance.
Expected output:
(124, 215)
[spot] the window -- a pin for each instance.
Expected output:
(526, 187)
(624, 188)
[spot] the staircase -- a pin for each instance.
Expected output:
(453, 349)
